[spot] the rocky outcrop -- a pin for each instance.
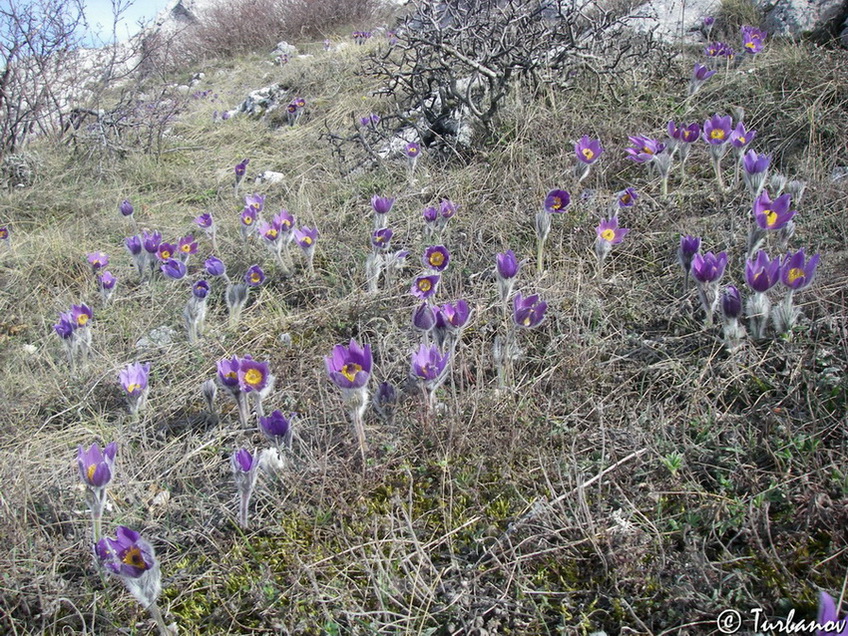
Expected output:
(798, 17)
(674, 20)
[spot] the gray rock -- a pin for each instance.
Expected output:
(262, 101)
(269, 176)
(284, 48)
(158, 337)
(673, 20)
(796, 17)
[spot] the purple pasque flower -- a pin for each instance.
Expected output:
(284, 221)
(254, 276)
(689, 246)
(627, 198)
(644, 148)
(588, 150)
(773, 215)
(245, 472)
(382, 205)
(731, 302)
(753, 39)
(796, 272)
(717, 129)
(106, 280)
(701, 73)
(741, 137)
(4, 233)
(428, 363)
(455, 315)
(412, 150)
(215, 266)
(447, 209)
(369, 120)
(127, 555)
(151, 241)
(609, 232)
(719, 49)
(430, 214)
(81, 315)
(228, 374)
(204, 221)
(96, 466)
(300, 102)
(248, 217)
(528, 312)
(65, 327)
(134, 378)
(269, 231)
(242, 461)
(133, 245)
(187, 246)
(241, 168)
(253, 375)
(306, 237)
(166, 251)
(255, 202)
(423, 318)
(126, 208)
(436, 258)
(691, 133)
(382, 238)
(762, 273)
(828, 618)
(424, 287)
(174, 269)
(709, 267)
(349, 367)
(507, 265)
(753, 163)
(277, 427)
(556, 201)
(200, 289)
(98, 260)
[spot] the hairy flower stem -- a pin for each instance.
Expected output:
(97, 525)
(244, 506)
(665, 187)
(156, 613)
(540, 255)
(718, 175)
(243, 409)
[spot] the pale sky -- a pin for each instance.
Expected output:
(99, 14)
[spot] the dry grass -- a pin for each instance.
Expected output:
(635, 464)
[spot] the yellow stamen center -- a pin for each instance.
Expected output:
(166, 255)
(771, 217)
(350, 370)
(248, 220)
(425, 285)
(82, 319)
(557, 203)
(437, 259)
(588, 154)
(717, 133)
(749, 45)
(307, 240)
(528, 320)
(647, 150)
(795, 273)
(608, 235)
(625, 199)
(132, 388)
(255, 277)
(231, 375)
(90, 472)
(186, 248)
(272, 233)
(133, 557)
(4, 234)
(742, 139)
(253, 377)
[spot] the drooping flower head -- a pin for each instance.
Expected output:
(424, 287)
(174, 269)
(228, 372)
(254, 276)
(507, 265)
(134, 378)
(436, 258)
(609, 232)
(200, 289)
(556, 201)
(349, 367)
(423, 317)
(106, 280)
(701, 73)
(773, 215)
(588, 150)
(98, 260)
(81, 315)
(455, 316)
(276, 426)
(381, 238)
(447, 209)
(796, 271)
(528, 312)
(253, 375)
(762, 273)
(382, 205)
(644, 149)
(717, 129)
(753, 39)
(709, 267)
(428, 363)
(215, 266)
(127, 555)
(627, 198)
(65, 327)
(741, 137)
(126, 208)
(96, 466)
